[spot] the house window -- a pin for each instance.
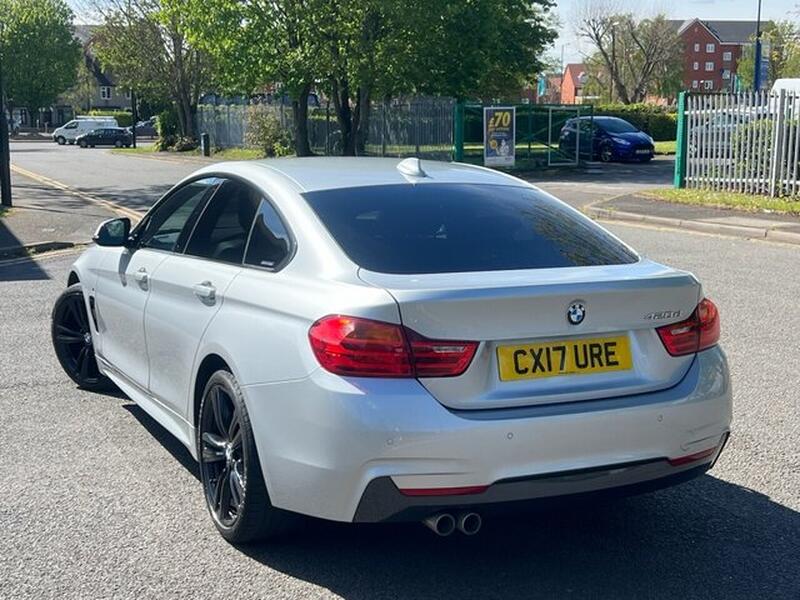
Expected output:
(710, 48)
(726, 74)
(696, 66)
(727, 56)
(708, 84)
(697, 47)
(105, 92)
(709, 66)
(694, 84)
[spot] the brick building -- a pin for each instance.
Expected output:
(711, 52)
(572, 83)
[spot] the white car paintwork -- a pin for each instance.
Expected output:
(321, 437)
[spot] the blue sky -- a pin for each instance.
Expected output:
(676, 9)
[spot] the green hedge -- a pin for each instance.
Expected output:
(123, 117)
(658, 121)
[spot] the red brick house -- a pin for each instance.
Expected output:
(572, 83)
(711, 52)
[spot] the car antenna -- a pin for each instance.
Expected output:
(411, 167)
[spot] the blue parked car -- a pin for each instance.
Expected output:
(605, 138)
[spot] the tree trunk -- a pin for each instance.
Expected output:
(362, 126)
(341, 102)
(300, 115)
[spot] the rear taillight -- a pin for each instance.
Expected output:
(367, 348)
(698, 332)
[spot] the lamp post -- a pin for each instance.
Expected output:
(5, 152)
(757, 61)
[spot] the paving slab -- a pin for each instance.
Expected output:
(47, 218)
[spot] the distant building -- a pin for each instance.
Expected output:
(100, 89)
(711, 52)
(572, 83)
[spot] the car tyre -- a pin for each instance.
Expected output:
(83, 144)
(233, 484)
(60, 140)
(118, 144)
(606, 153)
(73, 343)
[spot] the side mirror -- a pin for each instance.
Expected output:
(114, 232)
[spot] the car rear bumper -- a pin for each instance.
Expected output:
(352, 449)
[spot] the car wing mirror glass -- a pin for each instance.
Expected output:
(114, 232)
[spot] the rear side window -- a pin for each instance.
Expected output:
(452, 228)
(269, 241)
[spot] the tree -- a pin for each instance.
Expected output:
(144, 46)
(40, 53)
(782, 47)
(636, 57)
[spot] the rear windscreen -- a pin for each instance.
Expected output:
(452, 228)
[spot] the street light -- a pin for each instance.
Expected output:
(757, 61)
(5, 152)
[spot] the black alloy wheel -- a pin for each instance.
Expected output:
(606, 153)
(72, 340)
(83, 144)
(233, 484)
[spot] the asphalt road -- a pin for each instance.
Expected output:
(136, 182)
(99, 501)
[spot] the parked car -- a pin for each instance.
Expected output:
(68, 133)
(106, 136)
(369, 340)
(145, 128)
(606, 139)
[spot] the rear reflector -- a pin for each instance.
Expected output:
(682, 460)
(445, 491)
(698, 332)
(366, 348)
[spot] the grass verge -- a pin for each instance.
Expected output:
(666, 147)
(747, 202)
(147, 149)
(3, 211)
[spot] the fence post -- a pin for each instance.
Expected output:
(458, 131)
(680, 147)
(777, 140)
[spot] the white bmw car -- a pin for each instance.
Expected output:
(380, 340)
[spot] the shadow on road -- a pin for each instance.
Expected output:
(707, 538)
(656, 172)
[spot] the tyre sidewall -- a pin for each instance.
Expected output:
(257, 518)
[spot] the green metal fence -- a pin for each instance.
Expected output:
(538, 129)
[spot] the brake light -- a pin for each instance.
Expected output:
(698, 332)
(366, 348)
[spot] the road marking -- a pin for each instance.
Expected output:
(132, 214)
(178, 161)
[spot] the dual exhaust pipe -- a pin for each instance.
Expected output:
(444, 524)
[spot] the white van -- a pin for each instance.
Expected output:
(66, 134)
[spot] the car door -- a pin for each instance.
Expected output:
(189, 289)
(123, 284)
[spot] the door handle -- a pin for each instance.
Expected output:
(205, 291)
(141, 277)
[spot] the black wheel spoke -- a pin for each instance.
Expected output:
(219, 486)
(66, 335)
(215, 441)
(82, 365)
(237, 487)
(236, 440)
(233, 428)
(216, 405)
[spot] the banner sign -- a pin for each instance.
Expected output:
(498, 136)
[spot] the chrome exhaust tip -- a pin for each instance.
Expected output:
(469, 523)
(442, 524)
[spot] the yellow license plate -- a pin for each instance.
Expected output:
(564, 357)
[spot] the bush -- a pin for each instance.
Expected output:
(265, 133)
(657, 121)
(124, 118)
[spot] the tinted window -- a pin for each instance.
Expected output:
(221, 233)
(450, 228)
(612, 125)
(168, 225)
(269, 241)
